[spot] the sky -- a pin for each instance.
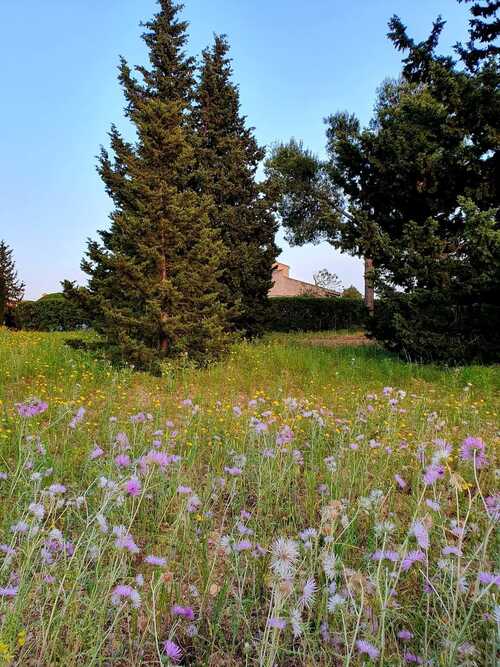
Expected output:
(295, 62)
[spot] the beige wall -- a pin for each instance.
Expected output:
(283, 285)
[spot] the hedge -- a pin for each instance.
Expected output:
(431, 326)
(48, 314)
(303, 313)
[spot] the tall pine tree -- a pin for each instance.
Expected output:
(11, 288)
(153, 279)
(228, 160)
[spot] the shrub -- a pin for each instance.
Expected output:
(431, 326)
(304, 313)
(50, 313)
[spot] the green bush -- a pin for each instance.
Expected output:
(50, 313)
(304, 313)
(431, 326)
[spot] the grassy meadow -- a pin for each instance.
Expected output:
(293, 505)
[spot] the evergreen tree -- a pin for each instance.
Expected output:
(484, 32)
(11, 288)
(153, 284)
(228, 159)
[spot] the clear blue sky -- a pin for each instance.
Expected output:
(295, 62)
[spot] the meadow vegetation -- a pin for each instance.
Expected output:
(290, 505)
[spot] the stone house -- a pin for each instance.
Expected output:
(283, 285)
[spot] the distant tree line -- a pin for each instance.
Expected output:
(417, 193)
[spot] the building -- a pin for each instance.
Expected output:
(283, 285)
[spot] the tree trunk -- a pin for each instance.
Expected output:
(369, 291)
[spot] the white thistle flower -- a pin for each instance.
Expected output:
(284, 557)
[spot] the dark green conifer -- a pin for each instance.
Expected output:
(153, 278)
(11, 288)
(228, 160)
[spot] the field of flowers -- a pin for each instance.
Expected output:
(292, 506)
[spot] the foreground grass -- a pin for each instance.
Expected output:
(281, 492)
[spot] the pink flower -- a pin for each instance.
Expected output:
(420, 532)
(488, 578)
(96, 453)
(31, 408)
(405, 635)
(184, 612)
(400, 481)
(155, 560)
(411, 558)
(172, 651)
(122, 460)
(124, 592)
(472, 449)
(8, 591)
(133, 487)
(432, 473)
(368, 648)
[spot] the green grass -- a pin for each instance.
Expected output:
(63, 611)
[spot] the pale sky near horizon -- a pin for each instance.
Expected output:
(295, 62)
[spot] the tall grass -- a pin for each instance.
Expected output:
(291, 505)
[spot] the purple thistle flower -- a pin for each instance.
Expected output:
(233, 470)
(124, 592)
(379, 555)
(31, 408)
(488, 578)
(405, 635)
(56, 489)
(278, 623)
(284, 436)
(432, 473)
(77, 418)
(193, 503)
(184, 612)
(420, 532)
(433, 504)
(96, 453)
(493, 506)
(186, 490)
(124, 540)
(133, 487)
(367, 648)
(172, 651)
(400, 481)
(155, 560)
(308, 593)
(122, 460)
(8, 591)
(411, 558)
(243, 545)
(412, 658)
(451, 550)
(472, 449)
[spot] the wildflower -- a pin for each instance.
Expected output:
(122, 460)
(379, 555)
(19, 527)
(184, 612)
(400, 481)
(472, 449)
(367, 648)
(278, 623)
(420, 532)
(185, 490)
(432, 473)
(488, 578)
(102, 523)
(308, 593)
(38, 510)
(446, 551)
(124, 540)
(193, 503)
(493, 506)
(172, 651)
(96, 453)
(334, 600)
(124, 591)
(56, 489)
(233, 470)
(243, 545)
(434, 505)
(411, 558)
(296, 622)
(155, 560)
(412, 658)
(31, 408)
(284, 557)
(405, 635)
(77, 418)
(133, 487)
(284, 436)
(329, 562)
(8, 591)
